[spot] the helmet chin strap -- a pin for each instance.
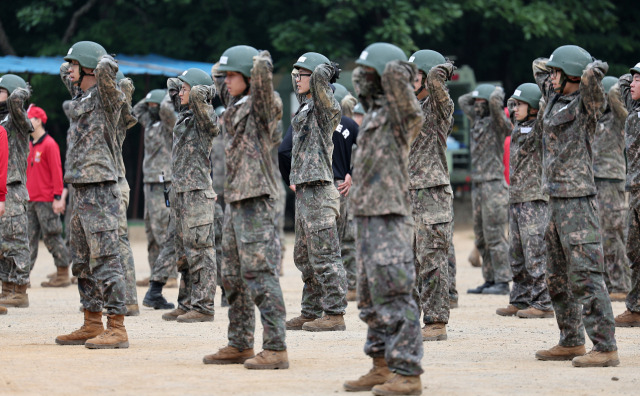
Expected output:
(82, 74)
(564, 79)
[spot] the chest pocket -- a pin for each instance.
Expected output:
(82, 107)
(567, 113)
(241, 113)
(300, 118)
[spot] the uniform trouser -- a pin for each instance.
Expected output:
(95, 252)
(575, 273)
(218, 224)
(633, 252)
(528, 255)
(613, 220)
(386, 278)
(67, 215)
(156, 220)
(193, 213)
(43, 221)
(249, 273)
(347, 240)
(126, 254)
(165, 265)
(316, 252)
(432, 218)
(451, 260)
(490, 206)
(281, 205)
(14, 237)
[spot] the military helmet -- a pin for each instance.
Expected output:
(377, 55)
(483, 91)
(341, 92)
(195, 76)
(238, 59)
(635, 69)
(358, 109)
(155, 96)
(86, 53)
(10, 82)
(528, 93)
(310, 61)
(426, 59)
(608, 82)
(571, 59)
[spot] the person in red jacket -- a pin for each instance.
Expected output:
(44, 183)
(4, 159)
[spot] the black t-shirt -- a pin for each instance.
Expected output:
(344, 137)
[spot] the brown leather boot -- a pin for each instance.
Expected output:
(194, 317)
(378, 375)
(3, 311)
(351, 295)
(628, 319)
(434, 332)
(597, 359)
(114, 337)
(60, 280)
(18, 297)
(7, 289)
(132, 310)
(559, 352)
(268, 360)
(172, 283)
(474, 258)
(173, 315)
(297, 322)
(510, 310)
(143, 282)
(534, 313)
(620, 297)
(326, 323)
(92, 327)
(229, 355)
(399, 385)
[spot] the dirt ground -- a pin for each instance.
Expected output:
(485, 354)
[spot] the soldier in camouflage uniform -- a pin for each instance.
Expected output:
(610, 168)
(96, 109)
(192, 196)
(383, 81)
(250, 247)
(527, 210)
(14, 237)
(489, 195)
(629, 86)
(431, 193)
(156, 170)
(317, 247)
(572, 89)
(4, 154)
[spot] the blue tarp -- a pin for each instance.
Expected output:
(129, 65)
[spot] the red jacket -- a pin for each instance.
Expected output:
(4, 162)
(44, 170)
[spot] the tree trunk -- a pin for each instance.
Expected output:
(71, 29)
(5, 44)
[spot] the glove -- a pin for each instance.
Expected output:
(335, 73)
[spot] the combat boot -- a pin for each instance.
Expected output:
(597, 359)
(173, 315)
(172, 283)
(351, 295)
(619, 297)
(143, 282)
(7, 289)
(297, 322)
(399, 385)
(474, 258)
(628, 319)
(60, 280)
(378, 375)
(194, 317)
(510, 310)
(479, 289)
(229, 355)
(326, 323)
(534, 313)
(132, 310)
(3, 311)
(114, 337)
(268, 360)
(500, 288)
(154, 298)
(559, 352)
(92, 327)
(434, 332)
(18, 297)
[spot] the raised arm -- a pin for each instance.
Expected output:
(542, 75)
(263, 99)
(126, 86)
(404, 109)
(205, 116)
(112, 98)
(64, 76)
(17, 112)
(167, 113)
(438, 91)
(173, 89)
(141, 112)
(466, 104)
(499, 119)
(221, 87)
(616, 104)
(325, 106)
(591, 89)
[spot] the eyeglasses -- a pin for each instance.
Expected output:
(300, 75)
(554, 71)
(183, 90)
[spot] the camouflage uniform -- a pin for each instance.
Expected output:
(66, 108)
(489, 195)
(193, 198)
(91, 168)
(527, 217)
(382, 213)
(43, 220)
(632, 140)
(250, 249)
(432, 199)
(346, 236)
(609, 168)
(317, 247)
(14, 238)
(217, 177)
(451, 261)
(575, 263)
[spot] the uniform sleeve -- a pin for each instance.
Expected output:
(404, 109)
(542, 75)
(325, 106)
(624, 84)
(55, 165)
(591, 89)
(615, 102)
(173, 90)
(501, 123)
(204, 114)
(436, 84)
(276, 124)
(17, 112)
(126, 86)
(466, 104)
(111, 97)
(4, 161)
(64, 76)
(221, 87)
(263, 100)
(141, 112)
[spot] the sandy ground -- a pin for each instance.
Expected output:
(485, 353)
